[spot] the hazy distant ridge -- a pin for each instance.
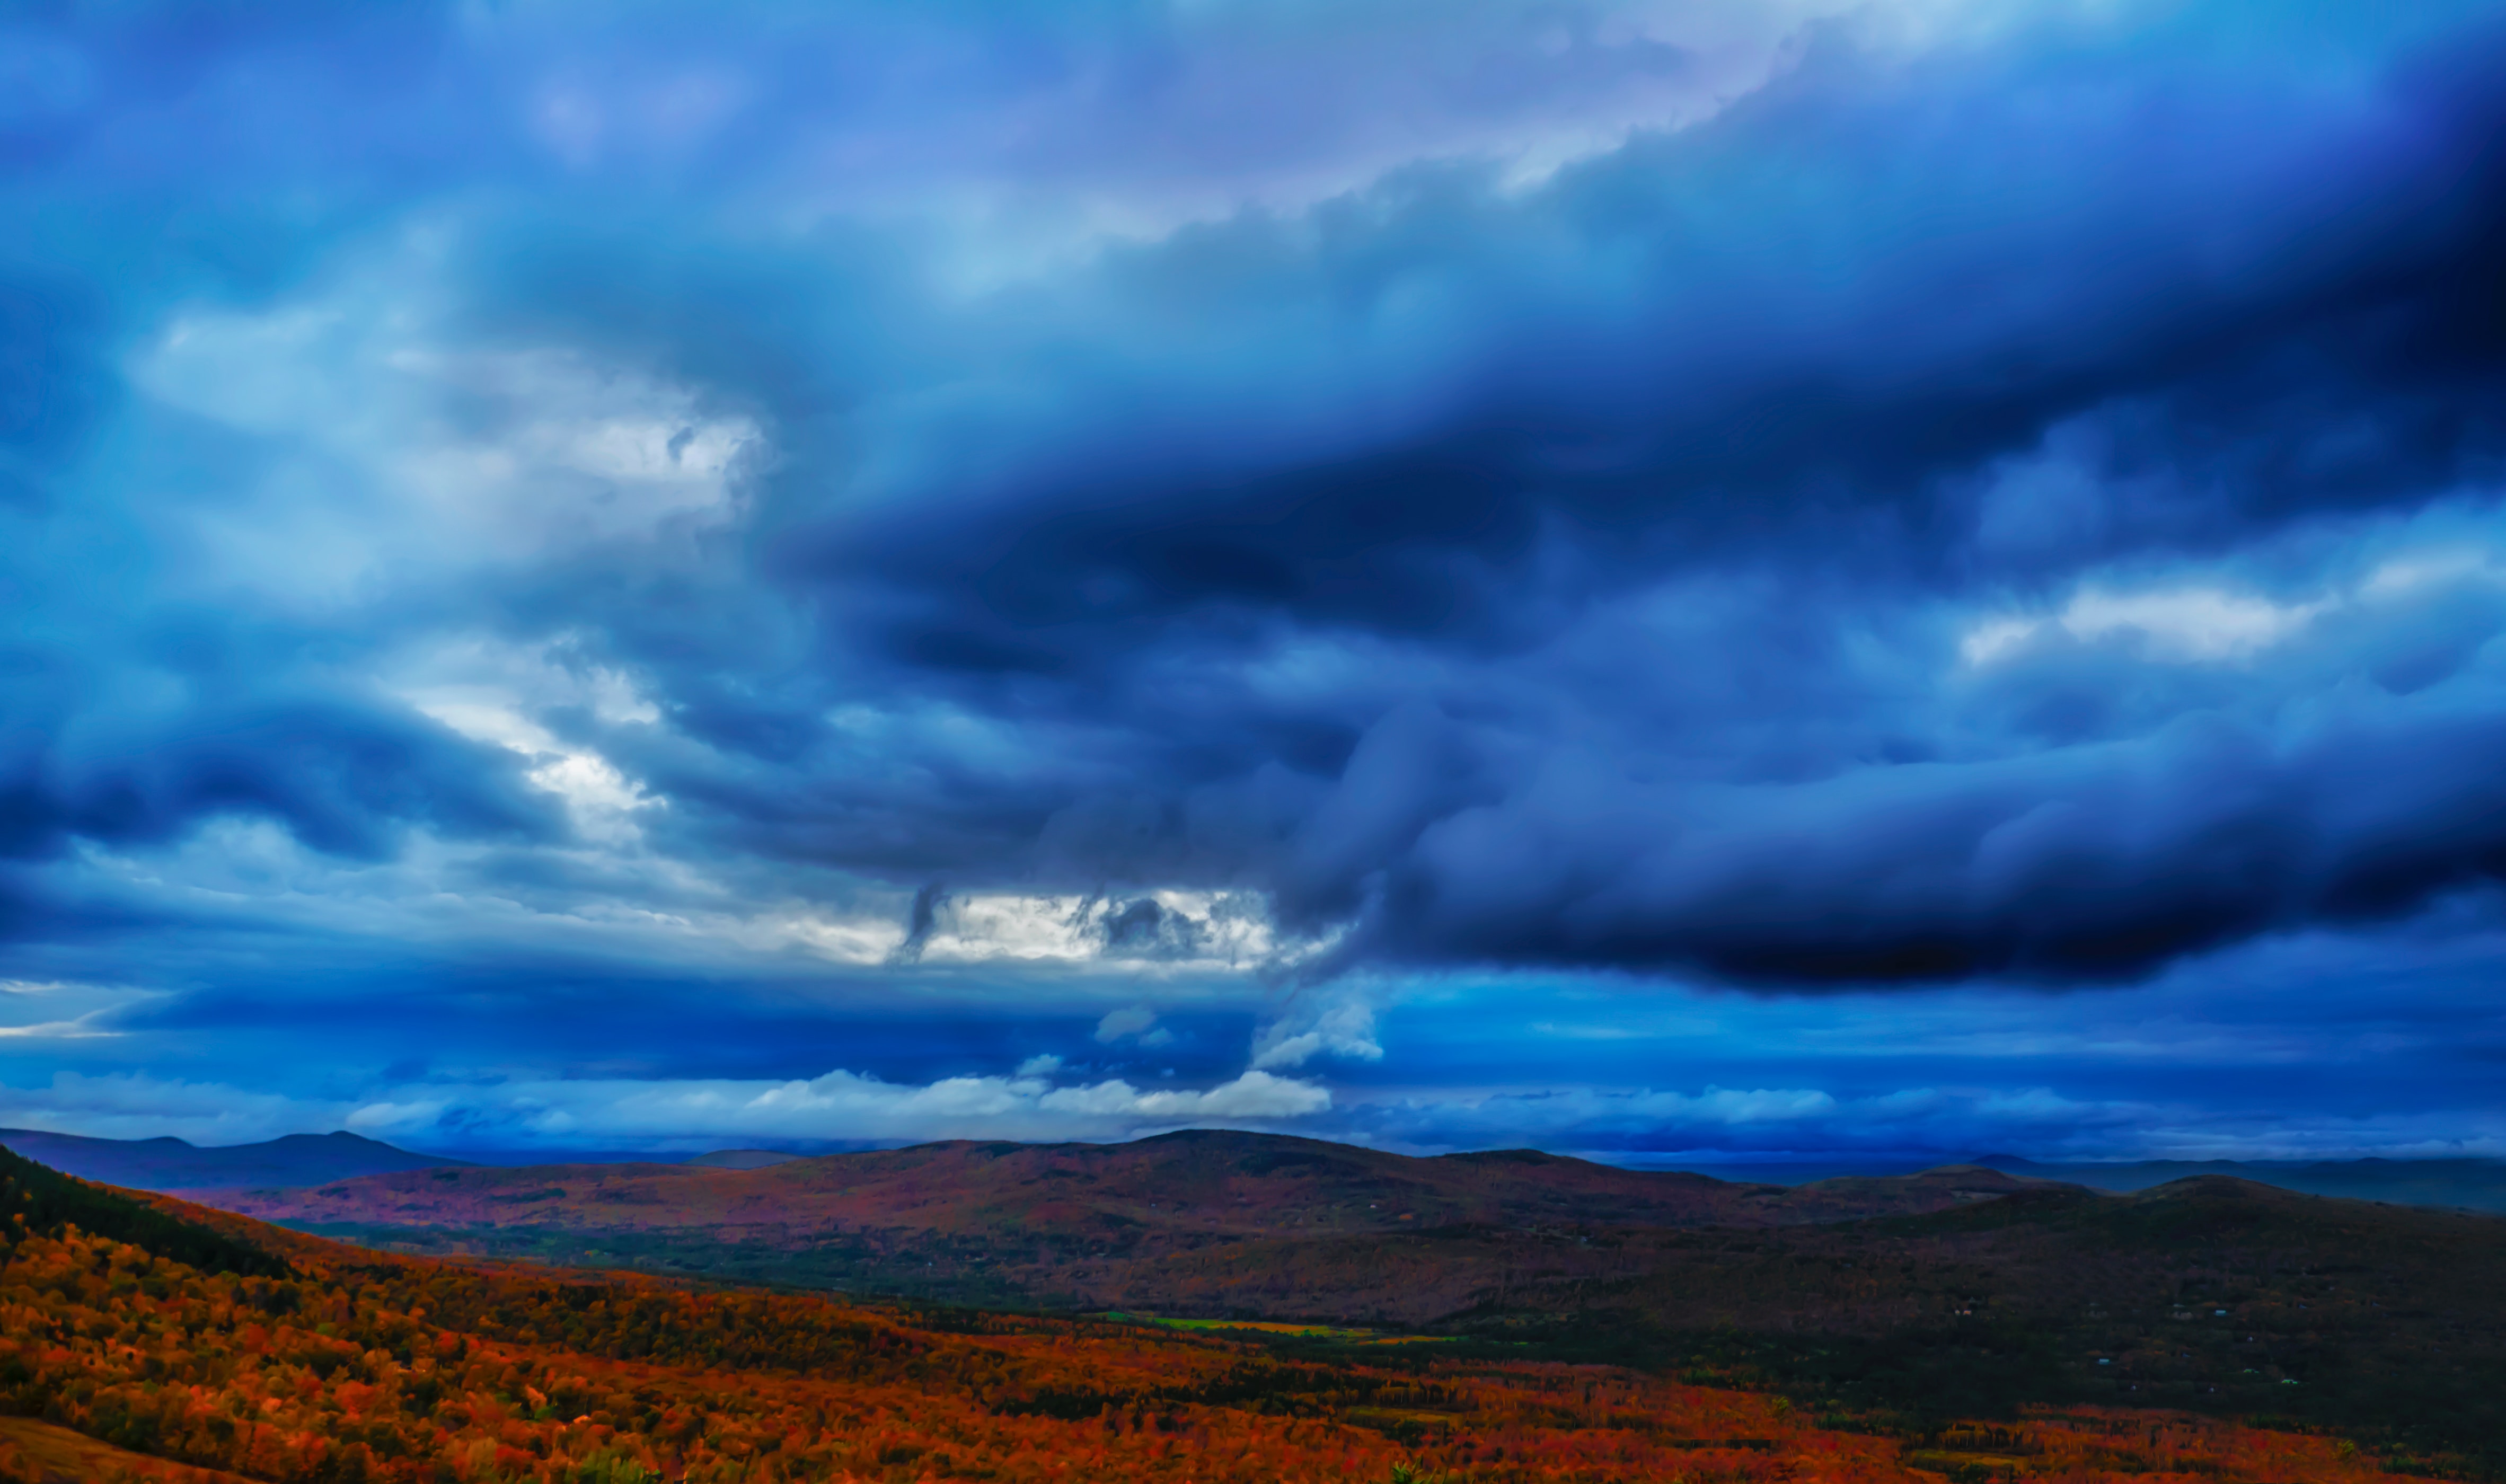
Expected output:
(2469, 1184)
(173, 1164)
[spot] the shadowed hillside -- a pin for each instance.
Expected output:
(2470, 1185)
(1958, 1292)
(38, 1201)
(120, 1362)
(171, 1164)
(1068, 1223)
(2209, 1293)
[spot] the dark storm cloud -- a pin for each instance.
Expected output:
(1434, 425)
(343, 782)
(1484, 565)
(2092, 863)
(1792, 330)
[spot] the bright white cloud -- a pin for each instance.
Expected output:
(1251, 1095)
(2205, 620)
(601, 799)
(46, 991)
(461, 456)
(648, 905)
(2184, 623)
(79, 1028)
(2200, 624)
(35, 1010)
(837, 1105)
(1715, 1122)
(1336, 1023)
(1993, 638)
(1182, 928)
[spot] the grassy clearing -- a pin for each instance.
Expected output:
(1274, 1327)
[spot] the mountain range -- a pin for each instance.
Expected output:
(169, 1165)
(1957, 1291)
(2467, 1184)
(166, 1164)
(146, 1338)
(173, 1164)
(1946, 1292)
(1072, 1222)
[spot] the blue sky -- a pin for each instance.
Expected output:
(1706, 580)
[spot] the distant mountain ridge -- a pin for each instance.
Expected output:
(2468, 1185)
(740, 1159)
(977, 1222)
(299, 1160)
(1842, 1354)
(1194, 1184)
(171, 1164)
(1962, 1288)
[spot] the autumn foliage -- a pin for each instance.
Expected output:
(361, 1366)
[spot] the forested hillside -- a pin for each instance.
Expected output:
(323, 1364)
(1073, 1224)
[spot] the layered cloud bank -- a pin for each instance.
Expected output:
(526, 520)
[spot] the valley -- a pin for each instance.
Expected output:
(268, 1355)
(1962, 1292)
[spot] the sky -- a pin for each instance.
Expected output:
(1684, 581)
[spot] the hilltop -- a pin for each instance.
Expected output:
(2470, 1185)
(1065, 1222)
(286, 1358)
(173, 1164)
(1956, 1291)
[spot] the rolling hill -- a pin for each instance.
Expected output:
(285, 1359)
(1072, 1223)
(172, 1164)
(1960, 1291)
(2468, 1185)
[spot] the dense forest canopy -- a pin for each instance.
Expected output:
(288, 1358)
